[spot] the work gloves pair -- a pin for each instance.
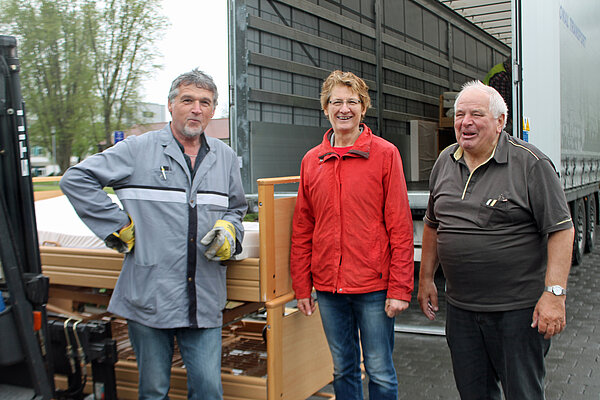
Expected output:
(220, 240)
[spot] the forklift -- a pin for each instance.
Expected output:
(35, 344)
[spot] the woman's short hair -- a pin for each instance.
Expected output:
(356, 84)
(194, 77)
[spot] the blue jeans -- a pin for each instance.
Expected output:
(343, 316)
(493, 348)
(201, 353)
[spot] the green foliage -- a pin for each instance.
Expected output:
(122, 37)
(82, 62)
(55, 76)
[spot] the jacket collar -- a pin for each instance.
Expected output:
(173, 149)
(361, 148)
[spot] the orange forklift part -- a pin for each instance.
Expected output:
(37, 320)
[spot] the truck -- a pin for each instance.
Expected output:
(414, 55)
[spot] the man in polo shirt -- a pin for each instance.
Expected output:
(499, 224)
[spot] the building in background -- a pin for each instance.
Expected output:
(217, 128)
(146, 117)
(148, 113)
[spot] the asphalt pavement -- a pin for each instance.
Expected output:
(573, 363)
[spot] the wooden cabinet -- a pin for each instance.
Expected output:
(298, 362)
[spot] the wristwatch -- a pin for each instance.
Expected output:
(556, 290)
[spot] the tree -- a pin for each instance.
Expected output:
(82, 62)
(55, 75)
(122, 34)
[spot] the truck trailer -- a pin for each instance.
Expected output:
(559, 90)
(415, 55)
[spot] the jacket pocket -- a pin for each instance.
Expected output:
(142, 287)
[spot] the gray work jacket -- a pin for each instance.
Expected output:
(166, 281)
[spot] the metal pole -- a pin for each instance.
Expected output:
(379, 66)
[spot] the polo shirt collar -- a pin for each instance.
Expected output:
(500, 153)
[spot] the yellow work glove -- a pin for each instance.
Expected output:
(123, 240)
(220, 241)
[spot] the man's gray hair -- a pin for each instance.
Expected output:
(497, 104)
(194, 77)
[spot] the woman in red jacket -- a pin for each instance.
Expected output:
(352, 240)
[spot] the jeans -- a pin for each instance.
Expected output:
(492, 348)
(201, 353)
(344, 316)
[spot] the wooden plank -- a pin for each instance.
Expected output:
(275, 310)
(242, 283)
(82, 271)
(243, 293)
(87, 280)
(248, 270)
(284, 211)
(246, 262)
(244, 387)
(37, 179)
(277, 181)
(266, 221)
(46, 194)
(103, 253)
(304, 372)
(83, 258)
(236, 389)
(78, 294)
(274, 217)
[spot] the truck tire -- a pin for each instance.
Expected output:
(591, 218)
(578, 215)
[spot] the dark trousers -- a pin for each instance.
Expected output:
(490, 349)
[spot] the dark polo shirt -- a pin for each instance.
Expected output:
(493, 224)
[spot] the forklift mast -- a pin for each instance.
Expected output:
(25, 367)
(34, 347)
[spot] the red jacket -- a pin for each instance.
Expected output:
(352, 227)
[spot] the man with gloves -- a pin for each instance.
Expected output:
(183, 205)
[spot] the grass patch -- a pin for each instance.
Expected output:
(45, 186)
(251, 217)
(42, 187)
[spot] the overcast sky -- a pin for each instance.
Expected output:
(197, 37)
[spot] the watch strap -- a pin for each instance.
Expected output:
(556, 290)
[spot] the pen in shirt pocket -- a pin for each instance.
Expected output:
(493, 202)
(164, 168)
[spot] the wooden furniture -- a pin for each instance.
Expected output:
(445, 136)
(444, 121)
(298, 358)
